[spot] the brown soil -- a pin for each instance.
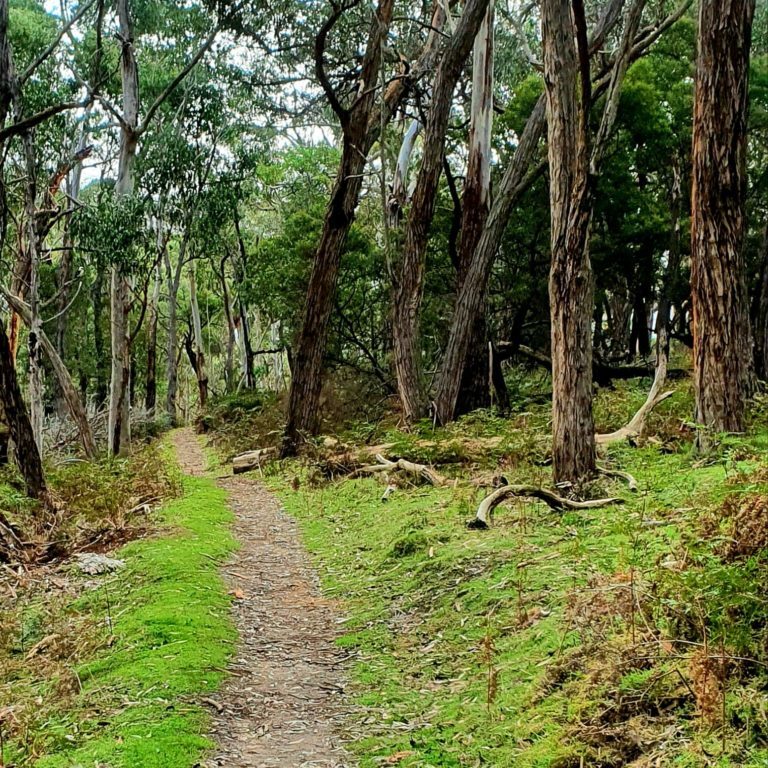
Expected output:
(282, 705)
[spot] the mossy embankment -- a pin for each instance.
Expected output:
(109, 670)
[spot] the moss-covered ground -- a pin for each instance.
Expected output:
(120, 682)
(628, 635)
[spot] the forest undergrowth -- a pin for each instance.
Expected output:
(635, 634)
(109, 669)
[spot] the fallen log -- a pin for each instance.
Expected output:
(484, 514)
(385, 465)
(249, 460)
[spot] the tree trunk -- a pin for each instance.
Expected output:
(27, 454)
(119, 406)
(70, 394)
(359, 135)
(173, 278)
(32, 258)
(229, 363)
(410, 282)
(97, 304)
(245, 329)
(572, 170)
(721, 345)
(150, 400)
(761, 315)
(469, 303)
(475, 391)
(664, 311)
(197, 348)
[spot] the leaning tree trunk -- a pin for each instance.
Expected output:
(27, 454)
(358, 130)
(119, 435)
(721, 336)
(198, 348)
(364, 125)
(475, 391)
(469, 303)
(409, 285)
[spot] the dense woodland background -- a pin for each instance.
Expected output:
(478, 289)
(200, 200)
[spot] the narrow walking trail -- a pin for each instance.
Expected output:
(283, 702)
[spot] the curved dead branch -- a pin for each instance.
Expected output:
(484, 515)
(636, 424)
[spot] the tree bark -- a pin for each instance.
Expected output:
(119, 436)
(150, 398)
(409, 285)
(722, 353)
(572, 170)
(475, 391)
(197, 338)
(173, 278)
(71, 396)
(359, 131)
(27, 454)
(469, 303)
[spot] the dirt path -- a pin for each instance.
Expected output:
(283, 703)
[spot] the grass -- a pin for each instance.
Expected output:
(158, 635)
(549, 641)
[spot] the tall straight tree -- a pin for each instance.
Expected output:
(573, 168)
(476, 205)
(723, 364)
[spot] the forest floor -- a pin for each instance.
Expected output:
(631, 635)
(282, 702)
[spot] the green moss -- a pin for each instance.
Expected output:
(169, 636)
(425, 598)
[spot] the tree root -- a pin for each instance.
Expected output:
(629, 479)
(484, 515)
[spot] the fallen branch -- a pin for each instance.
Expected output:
(245, 462)
(637, 424)
(385, 465)
(484, 515)
(630, 480)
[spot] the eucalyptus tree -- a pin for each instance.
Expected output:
(132, 128)
(362, 112)
(723, 362)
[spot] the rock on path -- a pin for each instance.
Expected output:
(282, 705)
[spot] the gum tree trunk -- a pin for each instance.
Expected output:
(197, 338)
(722, 350)
(119, 435)
(409, 285)
(475, 391)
